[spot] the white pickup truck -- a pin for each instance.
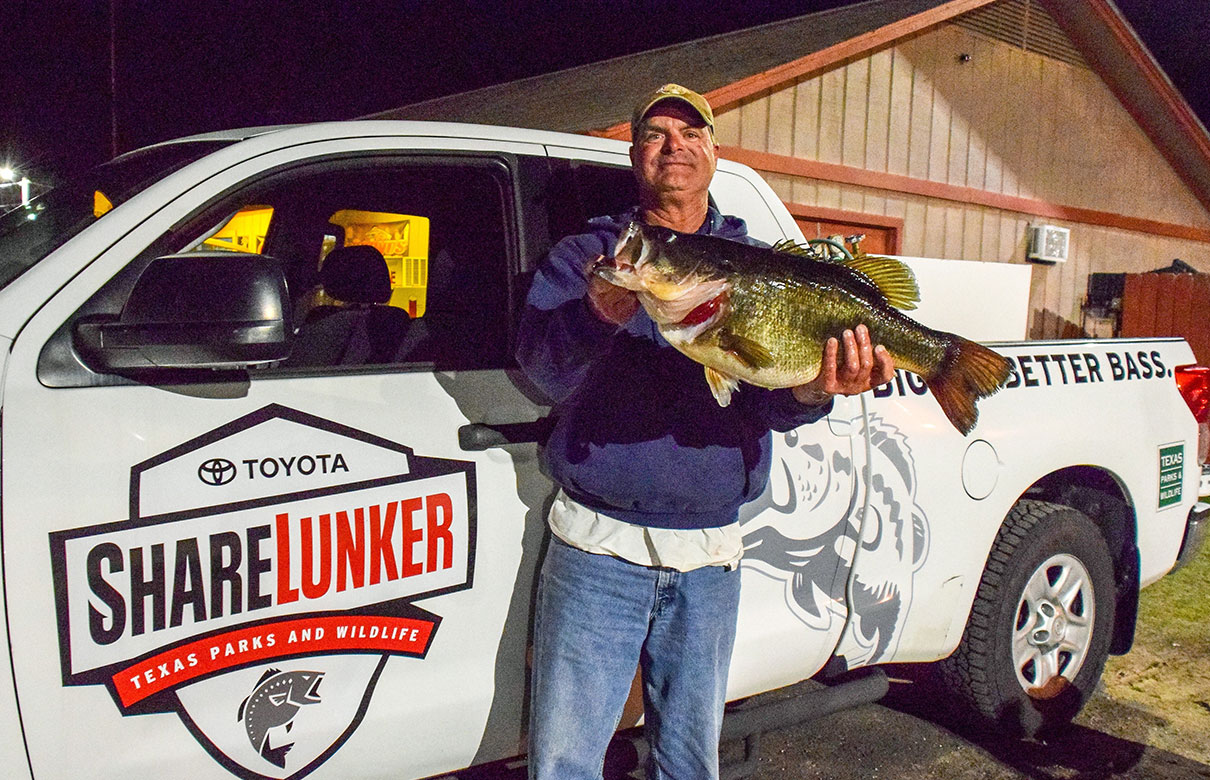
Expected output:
(270, 504)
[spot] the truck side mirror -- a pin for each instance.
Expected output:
(199, 310)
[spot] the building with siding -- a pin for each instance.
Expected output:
(936, 129)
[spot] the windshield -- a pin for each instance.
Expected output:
(30, 233)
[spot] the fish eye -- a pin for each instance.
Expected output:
(791, 438)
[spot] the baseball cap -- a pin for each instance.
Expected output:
(672, 92)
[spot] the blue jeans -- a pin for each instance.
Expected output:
(596, 619)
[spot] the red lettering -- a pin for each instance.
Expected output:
(347, 553)
(411, 535)
(382, 551)
(350, 552)
(440, 510)
(313, 588)
(285, 594)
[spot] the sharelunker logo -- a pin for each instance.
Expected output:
(261, 608)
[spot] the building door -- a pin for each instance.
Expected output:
(882, 235)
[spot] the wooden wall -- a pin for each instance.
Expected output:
(1008, 122)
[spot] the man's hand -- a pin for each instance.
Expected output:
(861, 367)
(612, 304)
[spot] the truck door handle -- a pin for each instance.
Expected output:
(476, 437)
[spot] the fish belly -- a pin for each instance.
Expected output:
(785, 326)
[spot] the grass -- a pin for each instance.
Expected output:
(1160, 690)
(1177, 603)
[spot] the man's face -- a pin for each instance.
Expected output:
(674, 152)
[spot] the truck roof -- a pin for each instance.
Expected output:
(377, 127)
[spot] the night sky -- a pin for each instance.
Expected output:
(188, 67)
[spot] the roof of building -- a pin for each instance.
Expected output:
(737, 67)
(602, 94)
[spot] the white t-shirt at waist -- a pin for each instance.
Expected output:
(673, 548)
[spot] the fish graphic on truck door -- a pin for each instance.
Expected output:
(276, 700)
(888, 529)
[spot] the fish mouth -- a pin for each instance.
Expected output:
(629, 250)
(608, 269)
(312, 694)
(622, 269)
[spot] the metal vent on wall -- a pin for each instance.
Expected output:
(1049, 243)
(1024, 24)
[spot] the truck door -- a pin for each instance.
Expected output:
(215, 572)
(800, 537)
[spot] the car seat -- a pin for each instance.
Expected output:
(358, 328)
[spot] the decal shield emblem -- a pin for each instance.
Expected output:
(263, 582)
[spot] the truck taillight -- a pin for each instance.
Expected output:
(1194, 384)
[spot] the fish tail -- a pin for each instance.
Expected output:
(967, 372)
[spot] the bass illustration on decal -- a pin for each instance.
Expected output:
(887, 526)
(270, 555)
(277, 699)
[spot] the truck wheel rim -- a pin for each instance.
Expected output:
(1054, 624)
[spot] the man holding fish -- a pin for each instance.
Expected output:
(653, 465)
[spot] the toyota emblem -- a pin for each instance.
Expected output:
(216, 471)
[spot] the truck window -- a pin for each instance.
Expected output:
(243, 231)
(435, 233)
(29, 233)
(432, 230)
(586, 190)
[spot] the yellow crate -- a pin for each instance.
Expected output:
(403, 240)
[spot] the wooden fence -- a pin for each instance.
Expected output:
(1169, 305)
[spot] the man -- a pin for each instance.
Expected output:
(643, 563)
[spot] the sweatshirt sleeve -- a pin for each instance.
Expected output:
(559, 337)
(779, 410)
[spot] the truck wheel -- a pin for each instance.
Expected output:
(1041, 624)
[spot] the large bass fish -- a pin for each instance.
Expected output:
(763, 315)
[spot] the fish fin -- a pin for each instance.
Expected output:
(892, 278)
(721, 385)
(275, 755)
(268, 673)
(751, 353)
(968, 372)
(789, 246)
(240, 715)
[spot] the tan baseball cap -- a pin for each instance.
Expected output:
(672, 92)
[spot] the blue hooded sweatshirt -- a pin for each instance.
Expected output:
(638, 436)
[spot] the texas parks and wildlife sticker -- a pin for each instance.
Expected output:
(262, 581)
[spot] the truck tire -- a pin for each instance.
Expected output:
(1041, 624)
